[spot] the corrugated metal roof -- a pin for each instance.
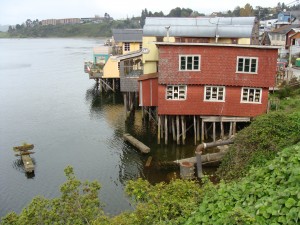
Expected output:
(127, 56)
(127, 35)
(239, 27)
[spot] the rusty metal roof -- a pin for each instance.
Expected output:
(238, 27)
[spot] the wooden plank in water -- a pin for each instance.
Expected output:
(28, 164)
(136, 143)
(148, 161)
(24, 147)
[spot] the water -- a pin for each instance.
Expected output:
(46, 99)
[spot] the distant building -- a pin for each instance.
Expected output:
(60, 21)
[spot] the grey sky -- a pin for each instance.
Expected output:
(17, 11)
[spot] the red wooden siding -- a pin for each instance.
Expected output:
(218, 66)
(148, 90)
(195, 104)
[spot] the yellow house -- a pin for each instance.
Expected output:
(223, 30)
(124, 41)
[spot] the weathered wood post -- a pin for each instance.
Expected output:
(195, 131)
(178, 130)
(199, 164)
(166, 130)
(173, 128)
(187, 170)
(158, 130)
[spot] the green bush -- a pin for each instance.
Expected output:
(268, 195)
(259, 142)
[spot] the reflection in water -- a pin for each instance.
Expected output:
(19, 166)
(110, 107)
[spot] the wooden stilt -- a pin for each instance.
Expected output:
(214, 131)
(158, 130)
(222, 130)
(166, 130)
(202, 130)
(198, 128)
(143, 112)
(230, 130)
(149, 114)
(183, 128)
(114, 85)
(195, 131)
(125, 102)
(178, 129)
(234, 128)
(205, 131)
(173, 129)
(100, 85)
(162, 126)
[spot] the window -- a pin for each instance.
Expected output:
(189, 63)
(251, 95)
(247, 64)
(214, 93)
(141, 46)
(176, 92)
(126, 46)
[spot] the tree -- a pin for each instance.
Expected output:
(236, 11)
(78, 204)
(175, 12)
(247, 10)
(28, 23)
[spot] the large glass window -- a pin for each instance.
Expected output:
(247, 64)
(189, 62)
(214, 93)
(176, 92)
(251, 95)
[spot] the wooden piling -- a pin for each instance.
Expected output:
(198, 128)
(222, 130)
(183, 129)
(178, 130)
(173, 128)
(214, 131)
(202, 130)
(195, 131)
(158, 130)
(166, 130)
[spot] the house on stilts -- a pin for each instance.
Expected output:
(105, 68)
(202, 73)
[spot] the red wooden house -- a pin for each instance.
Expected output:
(210, 83)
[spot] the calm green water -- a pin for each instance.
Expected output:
(46, 99)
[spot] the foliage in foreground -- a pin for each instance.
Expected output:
(78, 204)
(268, 195)
(259, 142)
(161, 203)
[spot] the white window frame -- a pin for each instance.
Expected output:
(176, 92)
(187, 61)
(251, 95)
(126, 46)
(244, 66)
(214, 92)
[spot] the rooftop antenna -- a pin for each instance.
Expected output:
(168, 32)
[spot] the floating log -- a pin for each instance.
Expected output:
(24, 147)
(136, 143)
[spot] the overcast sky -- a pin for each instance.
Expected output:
(18, 11)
